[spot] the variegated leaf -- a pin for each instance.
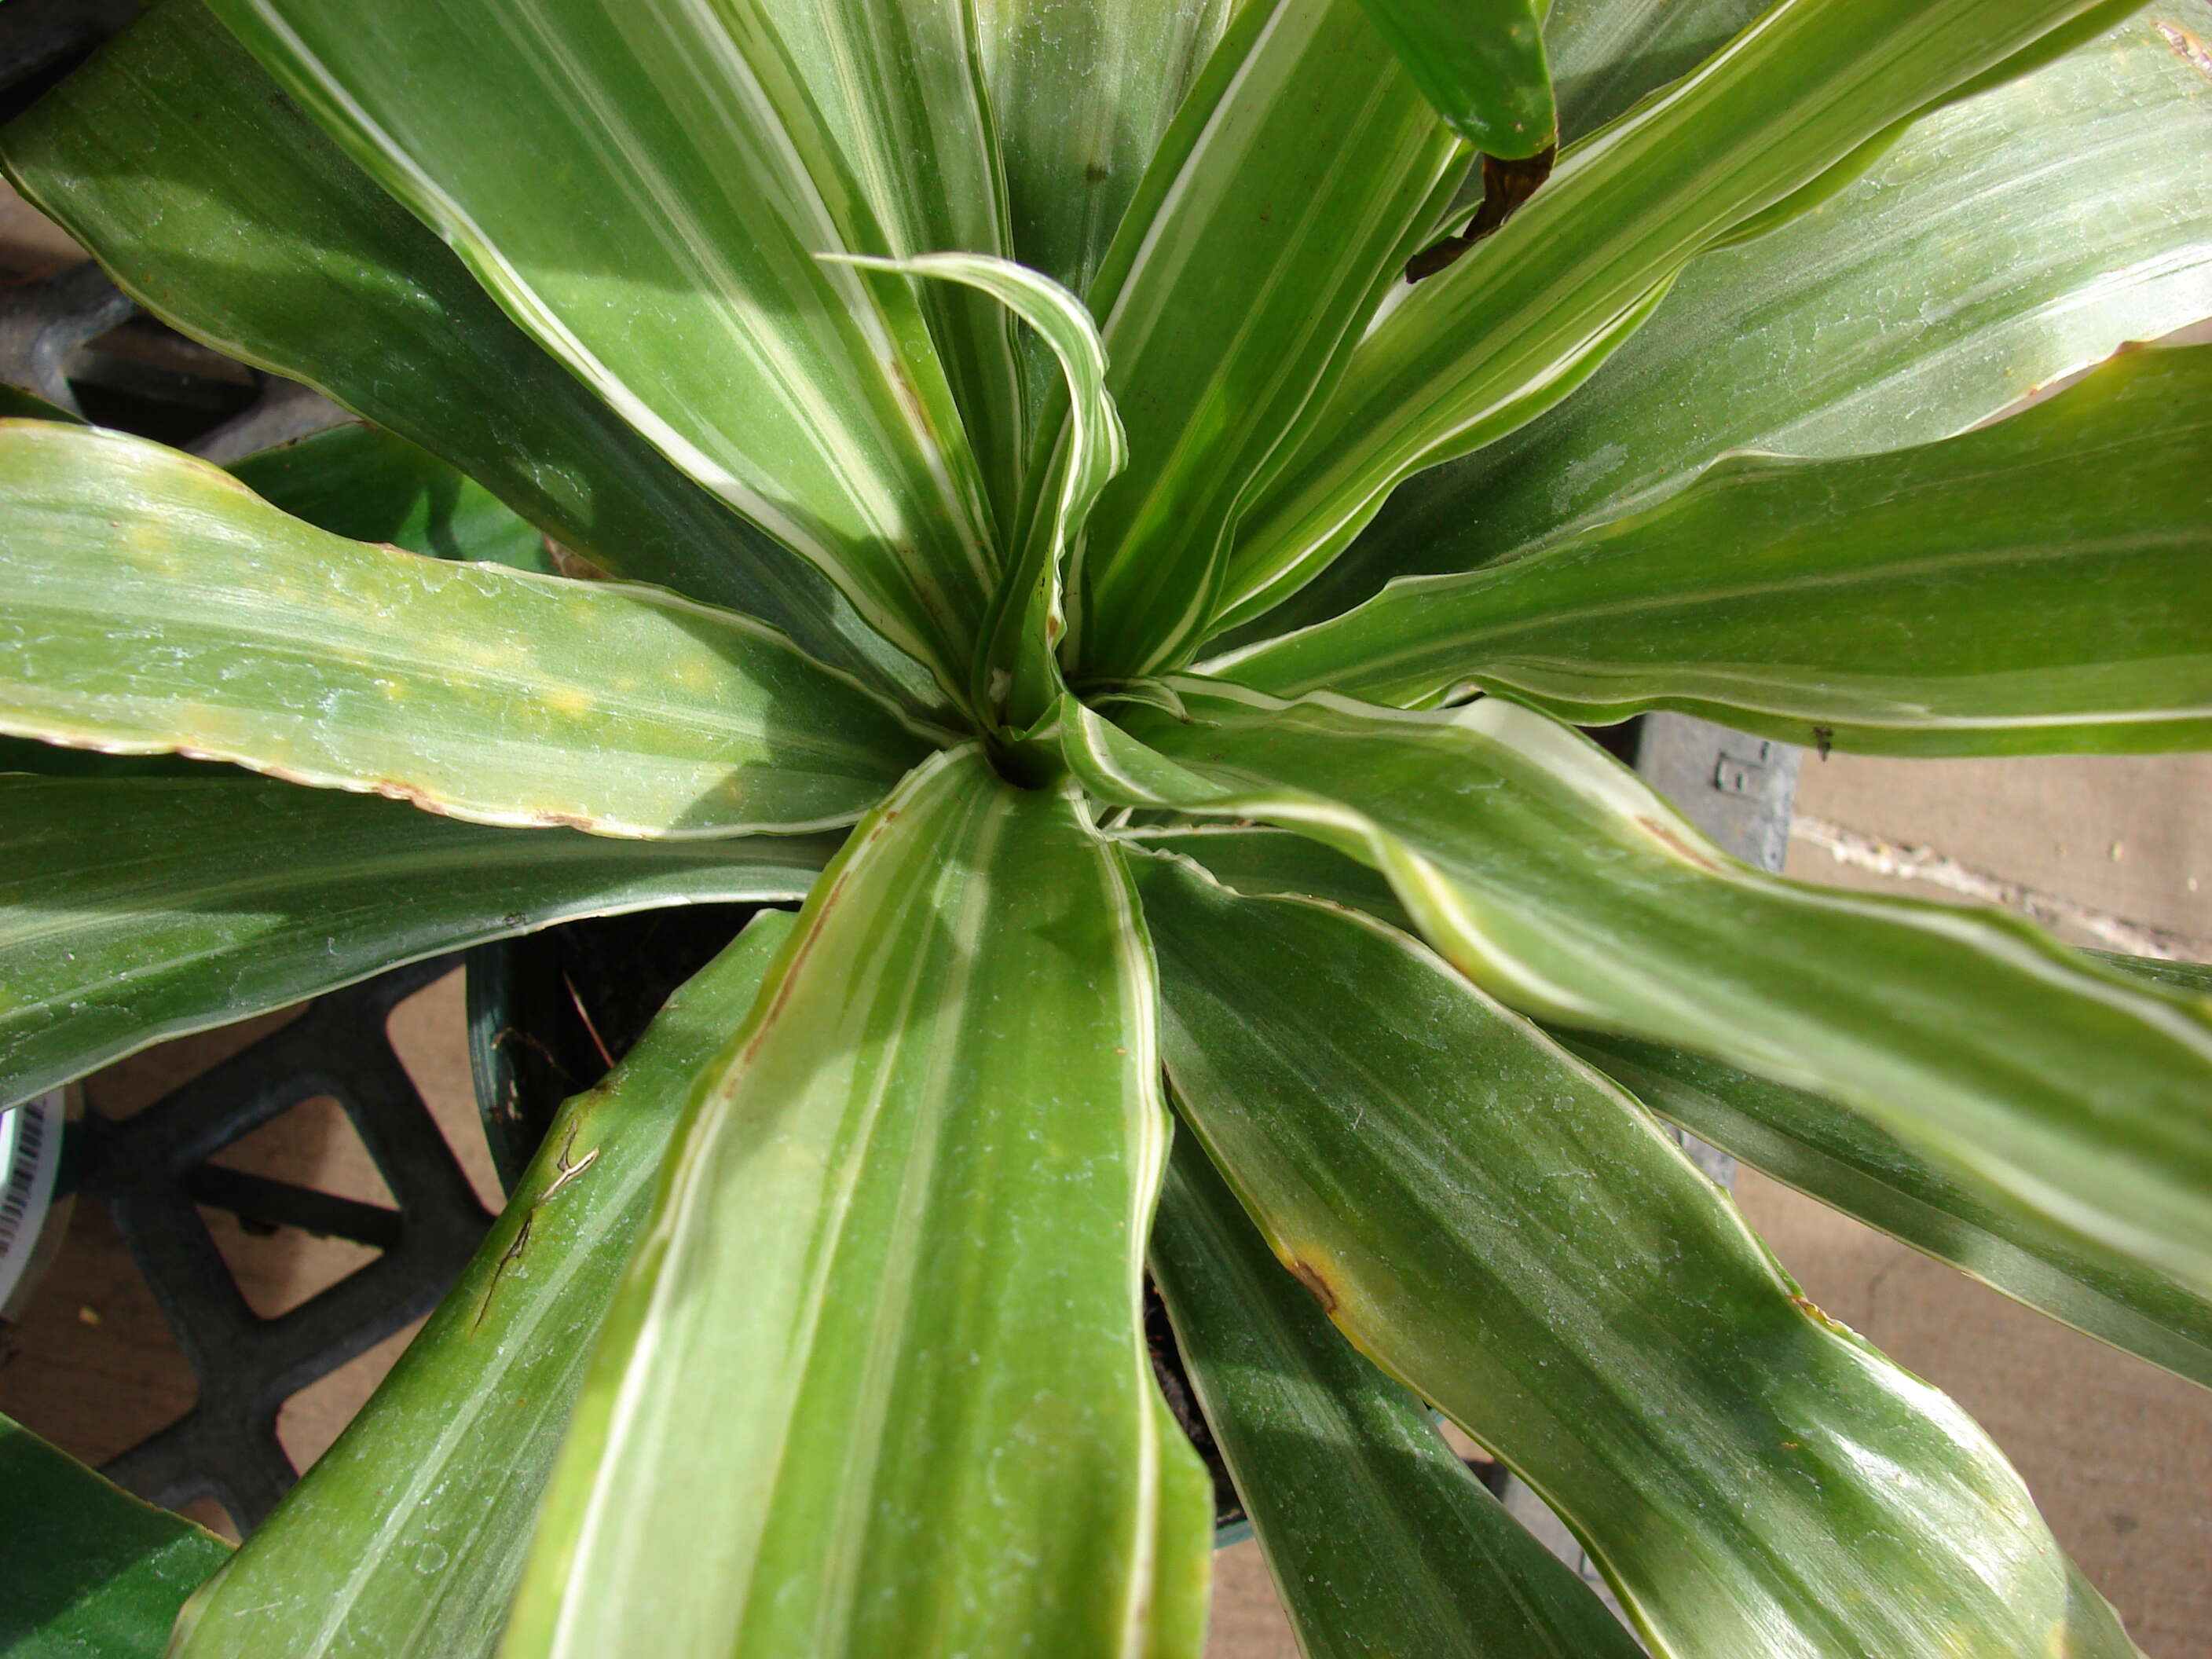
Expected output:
(2041, 585)
(2002, 244)
(1279, 208)
(1558, 879)
(1510, 331)
(808, 396)
(1017, 672)
(1518, 1242)
(1081, 92)
(1607, 55)
(1379, 1538)
(900, 89)
(133, 910)
(153, 603)
(874, 1383)
(1943, 1206)
(406, 1539)
(222, 209)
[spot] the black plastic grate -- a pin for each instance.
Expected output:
(151, 1171)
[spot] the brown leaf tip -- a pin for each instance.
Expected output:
(1310, 1277)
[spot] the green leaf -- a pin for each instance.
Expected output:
(93, 1573)
(1939, 1206)
(804, 394)
(152, 603)
(1481, 66)
(1520, 1244)
(1607, 54)
(406, 1537)
(874, 1382)
(133, 910)
(900, 89)
(370, 485)
(218, 206)
(2099, 17)
(1081, 93)
(2181, 975)
(1277, 863)
(2002, 244)
(1182, 1544)
(2040, 586)
(1028, 615)
(1379, 1539)
(1511, 329)
(17, 404)
(1559, 881)
(1282, 204)
(48, 759)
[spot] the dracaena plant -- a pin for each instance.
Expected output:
(1049, 535)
